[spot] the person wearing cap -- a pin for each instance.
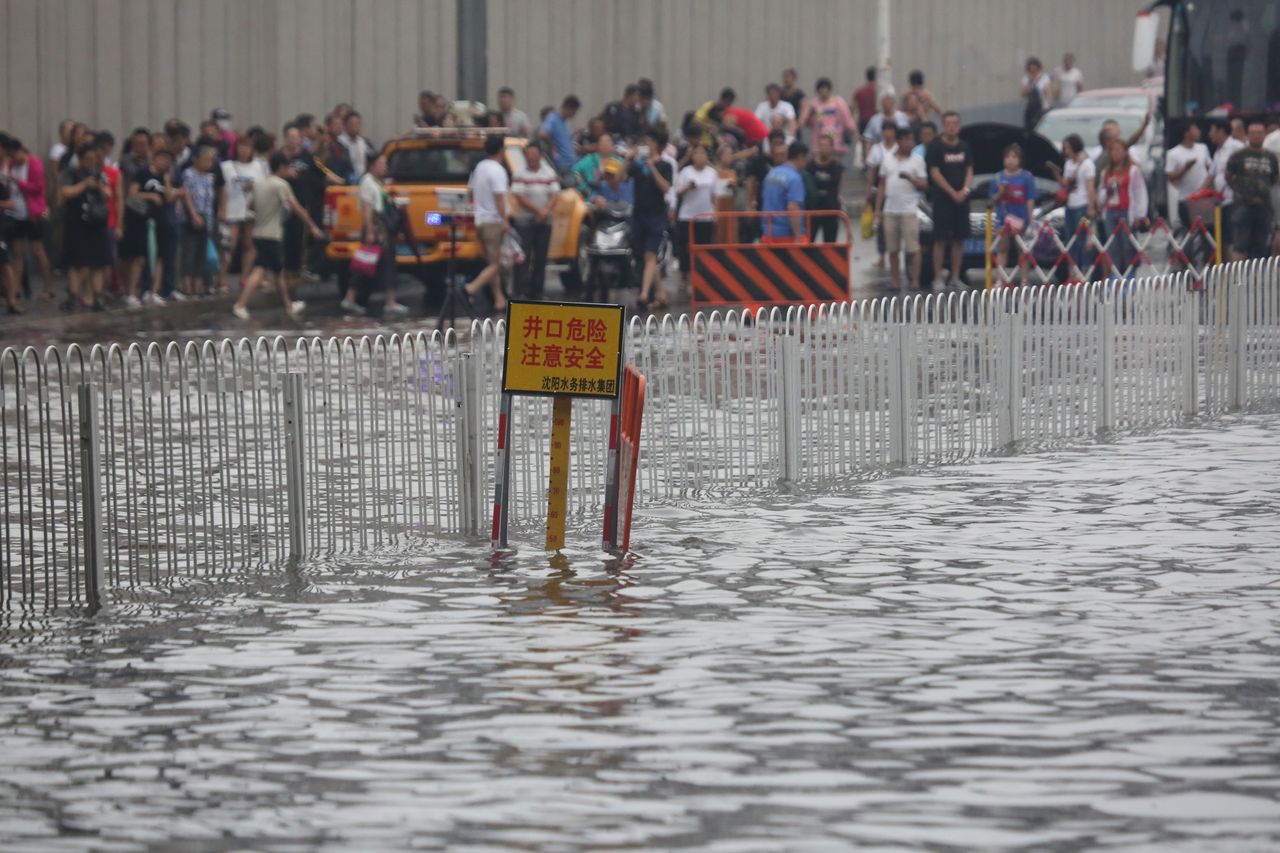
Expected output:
(616, 186)
(226, 133)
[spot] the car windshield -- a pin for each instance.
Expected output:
(1127, 101)
(433, 165)
(1058, 125)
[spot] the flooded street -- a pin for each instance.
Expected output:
(1073, 650)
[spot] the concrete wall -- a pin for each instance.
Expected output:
(121, 63)
(116, 64)
(971, 51)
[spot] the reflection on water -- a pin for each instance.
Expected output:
(1073, 650)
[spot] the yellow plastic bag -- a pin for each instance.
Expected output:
(868, 222)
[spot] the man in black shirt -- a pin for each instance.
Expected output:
(757, 169)
(1252, 173)
(792, 94)
(652, 176)
(827, 172)
(307, 184)
(622, 118)
(950, 163)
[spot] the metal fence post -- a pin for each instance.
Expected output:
(1106, 366)
(1237, 365)
(907, 387)
(91, 496)
(469, 450)
(1009, 377)
(898, 452)
(789, 400)
(295, 464)
(1191, 352)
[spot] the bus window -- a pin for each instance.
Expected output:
(1231, 55)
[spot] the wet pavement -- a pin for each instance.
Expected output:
(210, 317)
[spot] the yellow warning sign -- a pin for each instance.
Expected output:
(565, 348)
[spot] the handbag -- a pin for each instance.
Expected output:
(511, 253)
(365, 260)
(868, 221)
(211, 260)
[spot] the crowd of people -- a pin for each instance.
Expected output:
(177, 211)
(170, 217)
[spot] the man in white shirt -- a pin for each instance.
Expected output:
(903, 177)
(1111, 128)
(1068, 80)
(1224, 145)
(534, 189)
(889, 115)
(773, 105)
(877, 154)
(488, 187)
(1187, 166)
(360, 151)
(513, 117)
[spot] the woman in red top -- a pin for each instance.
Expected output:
(1122, 195)
(27, 173)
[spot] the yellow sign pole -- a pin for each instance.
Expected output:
(558, 490)
(1217, 234)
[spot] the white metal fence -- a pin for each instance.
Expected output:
(210, 458)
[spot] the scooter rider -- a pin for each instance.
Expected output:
(616, 186)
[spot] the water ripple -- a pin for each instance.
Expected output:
(1072, 650)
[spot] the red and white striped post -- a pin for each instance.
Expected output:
(502, 473)
(609, 540)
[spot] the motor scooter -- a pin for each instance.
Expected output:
(610, 258)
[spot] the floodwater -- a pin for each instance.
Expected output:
(1075, 650)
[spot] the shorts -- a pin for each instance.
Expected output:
(28, 229)
(268, 255)
(901, 232)
(1251, 226)
(950, 221)
(490, 236)
(293, 244)
(647, 230)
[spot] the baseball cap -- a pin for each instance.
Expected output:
(613, 166)
(220, 114)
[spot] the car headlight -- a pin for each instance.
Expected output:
(613, 238)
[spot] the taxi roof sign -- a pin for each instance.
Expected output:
(566, 348)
